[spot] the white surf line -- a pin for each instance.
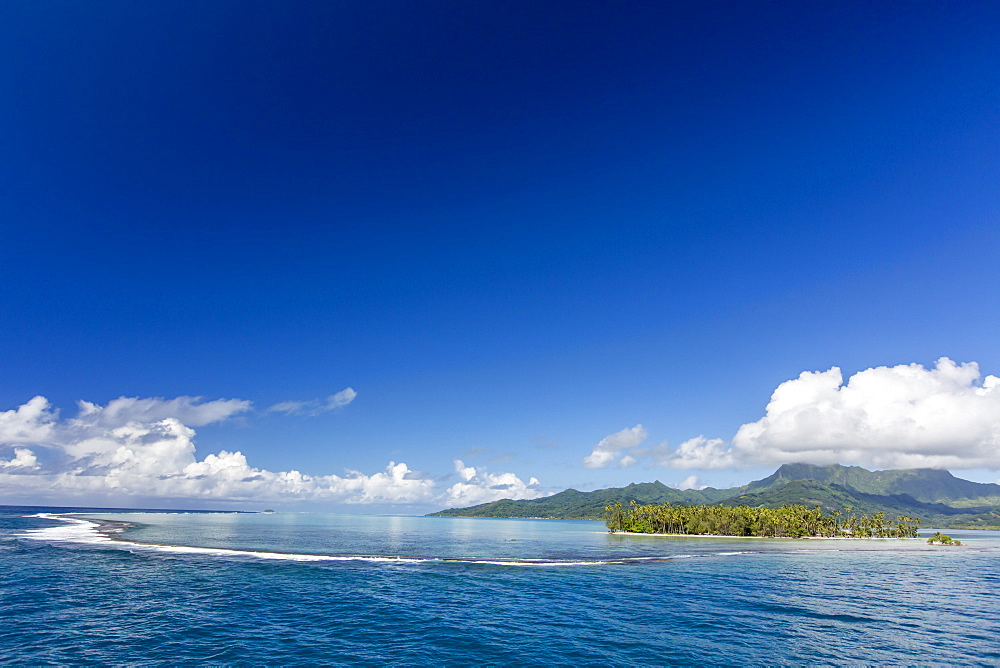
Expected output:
(76, 530)
(92, 531)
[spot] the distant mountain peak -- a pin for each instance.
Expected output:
(928, 485)
(928, 492)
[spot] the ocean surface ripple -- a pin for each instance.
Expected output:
(162, 588)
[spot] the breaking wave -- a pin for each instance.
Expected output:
(108, 533)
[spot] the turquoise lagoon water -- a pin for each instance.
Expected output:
(289, 588)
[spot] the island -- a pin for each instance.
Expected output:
(940, 499)
(788, 521)
(942, 539)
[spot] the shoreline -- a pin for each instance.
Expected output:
(110, 530)
(729, 537)
(98, 530)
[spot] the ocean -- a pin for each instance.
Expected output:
(308, 588)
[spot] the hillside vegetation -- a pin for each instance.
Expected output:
(938, 498)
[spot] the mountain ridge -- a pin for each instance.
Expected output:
(936, 496)
(928, 485)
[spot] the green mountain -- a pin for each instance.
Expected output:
(937, 497)
(929, 485)
(574, 505)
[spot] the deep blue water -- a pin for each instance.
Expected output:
(416, 590)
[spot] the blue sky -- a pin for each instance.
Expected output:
(512, 229)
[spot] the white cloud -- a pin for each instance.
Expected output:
(192, 411)
(905, 416)
(480, 486)
(315, 406)
(31, 422)
(612, 447)
(23, 459)
(132, 447)
(690, 482)
(701, 453)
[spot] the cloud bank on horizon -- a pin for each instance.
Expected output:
(145, 448)
(905, 416)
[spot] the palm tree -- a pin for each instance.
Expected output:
(614, 517)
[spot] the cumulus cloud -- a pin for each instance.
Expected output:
(701, 453)
(905, 416)
(23, 459)
(478, 485)
(315, 406)
(613, 448)
(31, 422)
(690, 482)
(136, 447)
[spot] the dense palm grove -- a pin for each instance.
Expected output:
(790, 521)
